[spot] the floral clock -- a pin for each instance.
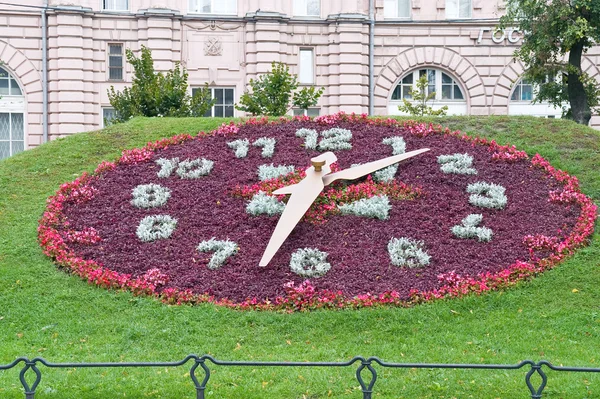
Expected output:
(188, 219)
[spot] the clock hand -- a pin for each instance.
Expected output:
(364, 169)
(303, 195)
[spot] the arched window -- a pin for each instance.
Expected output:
(447, 91)
(522, 102)
(12, 106)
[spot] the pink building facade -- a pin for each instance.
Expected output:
(225, 43)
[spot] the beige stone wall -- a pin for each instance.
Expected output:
(480, 61)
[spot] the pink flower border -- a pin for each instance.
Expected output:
(54, 233)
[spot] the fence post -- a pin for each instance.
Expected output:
(366, 390)
(30, 390)
(536, 368)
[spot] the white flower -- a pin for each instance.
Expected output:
(268, 145)
(458, 164)
(195, 168)
(408, 252)
(266, 172)
(469, 228)
(156, 227)
(309, 262)
(310, 137)
(222, 251)
(262, 204)
(398, 144)
(240, 146)
(167, 166)
(335, 139)
(150, 195)
(487, 195)
(375, 207)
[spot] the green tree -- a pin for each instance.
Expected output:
(552, 30)
(272, 93)
(156, 94)
(418, 106)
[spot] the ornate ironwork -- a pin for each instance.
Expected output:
(200, 364)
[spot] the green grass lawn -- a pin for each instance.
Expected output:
(46, 312)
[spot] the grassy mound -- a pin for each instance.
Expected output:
(45, 312)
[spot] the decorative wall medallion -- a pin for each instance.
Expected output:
(213, 46)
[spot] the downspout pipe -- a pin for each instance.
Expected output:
(45, 72)
(371, 57)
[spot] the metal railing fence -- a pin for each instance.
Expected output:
(200, 382)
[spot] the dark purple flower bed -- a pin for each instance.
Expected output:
(207, 208)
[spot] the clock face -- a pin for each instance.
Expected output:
(198, 215)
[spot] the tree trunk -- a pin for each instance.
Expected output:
(578, 100)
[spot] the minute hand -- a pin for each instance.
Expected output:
(364, 169)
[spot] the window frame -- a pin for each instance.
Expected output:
(305, 14)
(458, 9)
(108, 57)
(196, 10)
(212, 96)
(10, 132)
(313, 66)
(103, 8)
(439, 83)
(396, 9)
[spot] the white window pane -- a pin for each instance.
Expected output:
(4, 126)
(465, 9)
(4, 149)
(306, 74)
(446, 92)
(3, 73)
(229, 96)
(298, 112)
(4, 86)
(224, 7)
(312, 112)
(17, 126)
(451, 9)
(314, 8)
(516, 96)
(14, 88)
(300, 7)
(403, 8)
(458, 95)
(17, 146)
(389, 9)
(122, 5)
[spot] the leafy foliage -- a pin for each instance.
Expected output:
(554, 29)
(419, 107)
(155, 94)
(272, 93)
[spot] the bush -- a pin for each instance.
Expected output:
(272, 93)
(154, 94)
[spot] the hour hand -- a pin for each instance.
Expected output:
(303, 195)
(364, 169)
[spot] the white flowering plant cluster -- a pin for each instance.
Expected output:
(167, 166)
(398, 144)
(309, 262)
(266, 172)
(310, 137)
(487, 195)
(223, 249)
(458, 164)
(194, 169)
(335, 139)
(406, 252)
(188, 169)
(267, 144)
(263, 204)
(156, 227)
(240, 147)
(377, 207)
(470, 229)
(150, 196)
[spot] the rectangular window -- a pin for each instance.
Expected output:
(115, 61)
(12, 135)
(306, 66)
(115, 5)
(396, 9)
(213, 6)
(307, 8)
(108, 114)
(224, 102)
(312, 112)
(457, 9)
